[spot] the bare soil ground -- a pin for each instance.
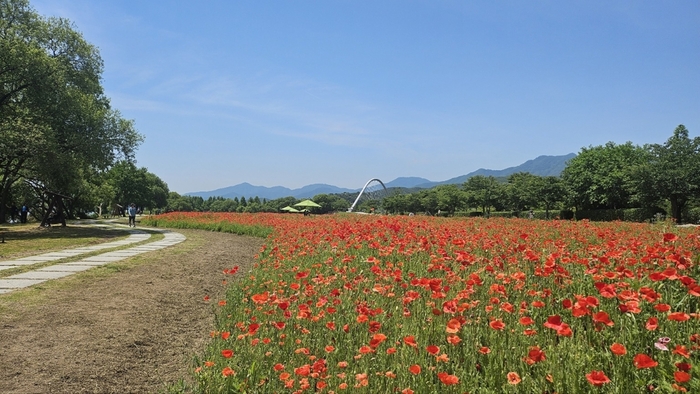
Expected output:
(131, 327)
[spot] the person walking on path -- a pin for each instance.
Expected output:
(23, 213)
(132, 215)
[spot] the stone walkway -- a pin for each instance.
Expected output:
(60, 270)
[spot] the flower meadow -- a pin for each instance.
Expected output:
(390, 304)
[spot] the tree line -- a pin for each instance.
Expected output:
(654, 177)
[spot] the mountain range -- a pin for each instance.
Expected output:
(541, 166)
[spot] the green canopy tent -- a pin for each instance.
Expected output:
(307, 205)
(289, 209)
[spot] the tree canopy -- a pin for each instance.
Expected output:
(56, 125)
(672, 172)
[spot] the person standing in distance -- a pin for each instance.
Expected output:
(132, 215)
(23, 213)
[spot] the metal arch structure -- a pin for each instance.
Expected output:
(352, 207)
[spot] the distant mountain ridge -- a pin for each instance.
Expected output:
(542, 166)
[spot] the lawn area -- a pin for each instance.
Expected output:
(22, 240)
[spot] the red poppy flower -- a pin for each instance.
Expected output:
(366, 349)
(597, 378)
(414, 369)
(526, 321)
(448, 379)
(227, 353)
(453, 326)
(513, 378)
(410, 341)
(652, 324)
(670, 237)
(304, 370)
(681, 350)
(643, 361)
(228, 372)
(603, 318)
(260, 298)
(278, 367)
(618, 349)
(432, 349)
(678, 316)
(681, 376)
(497, 324)
(535, 355)
(554, 322)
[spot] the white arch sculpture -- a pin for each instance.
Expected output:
(363, 190)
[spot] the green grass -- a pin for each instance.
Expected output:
(220, 226)
(21, 240)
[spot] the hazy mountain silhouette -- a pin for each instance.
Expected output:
(542, 166)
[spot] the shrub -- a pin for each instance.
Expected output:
(628, 215)
(692, 215)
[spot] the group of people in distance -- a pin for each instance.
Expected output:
(24, 211)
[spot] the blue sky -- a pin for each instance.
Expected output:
(297, 92)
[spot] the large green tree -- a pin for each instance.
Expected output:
(603, 176)
(329, 203)
(484, 192)
(522, 191)
(449, 198)
(56, 124)
(136, 185)
(672, 172)
(550, 193)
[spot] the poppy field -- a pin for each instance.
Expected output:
(390, 304)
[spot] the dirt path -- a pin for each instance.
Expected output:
(129, 330)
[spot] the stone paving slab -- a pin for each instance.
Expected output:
(66, 268)
(146, 248)
(90, 263)
(24, 260)
(3, 291)
(102, 258)
(63, 255)
(17, 263)
(44, 275)
(18, 283)
(122, 253)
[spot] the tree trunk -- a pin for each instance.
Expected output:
(677, 209)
